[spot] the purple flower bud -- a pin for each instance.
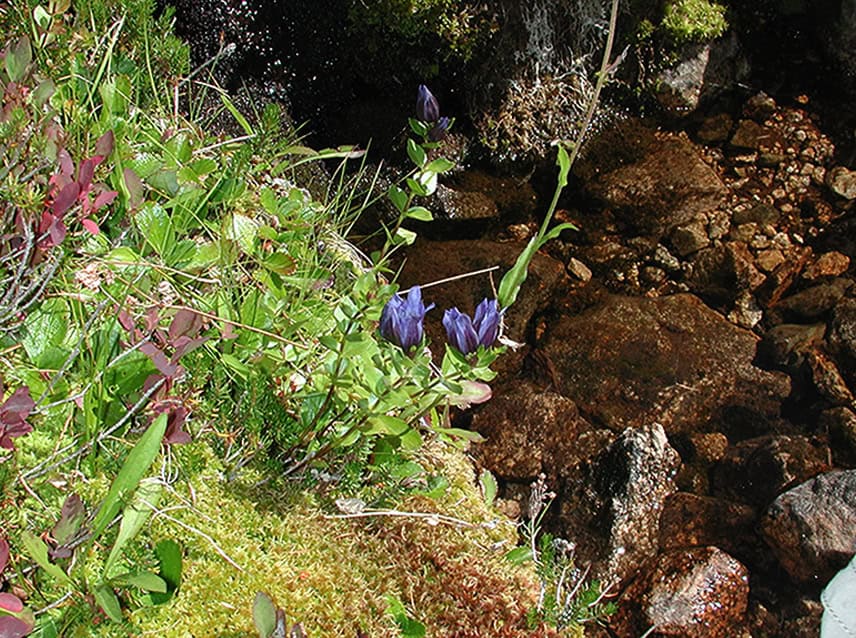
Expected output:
(465, 334)
(438, 132)
(401, 320)
(427, 106)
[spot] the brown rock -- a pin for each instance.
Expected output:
(694, 593)
(755, 471)
(842, 182)
(690, 238)
(459, 205)
(787, 345)
(720, 273)
(841, 424)
(828, 380)
(690, 520)
(666, 187)
(715, 129)
(810, 528)
(671, 360)
(811, 303)
(842, 338)
(831, 264)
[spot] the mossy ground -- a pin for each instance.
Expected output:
(333, 574)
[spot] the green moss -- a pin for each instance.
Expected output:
(687, 21)
(333, 574)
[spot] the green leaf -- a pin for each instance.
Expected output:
(411, 440)
(409, 628)
(519, 555)
(155, 226)
(440, 165)
(236, 114)
(459, 433)
(419, 213)
(415, 152)
(135, 467)
(428, 180)
(398, 197)
(169, 562)
(564, 162)
(146, 581)
(242, 230)
(38, 551)
(489, 488)
(264, 614)
(106, 599)
(18, 58)
(404, 236)
(269, 200)
(509, 285)
(45, 331)
(42, 18)
(386, 424)
(416, 188)
(136, 513)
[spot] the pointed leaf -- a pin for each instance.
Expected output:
(419, 213)
(489, 488)
(146, 581)
(135, 515)
(415, 152)
(106, 599)
(136, 191)
(440, 165)
(38, 551)
(65, 199)
(135, 467)
(169, 559)
(71, 517)
(519, 555)
(91, 226)
(398, 197)
(11, 627)
(104, 198)
(104, 145)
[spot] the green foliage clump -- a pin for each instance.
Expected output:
(425, 33)
(690, 21)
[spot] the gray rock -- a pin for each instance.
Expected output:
(631, 481)
(690, 238)
(810, 528)
(694, 593)
(630, 361)
(457, 205)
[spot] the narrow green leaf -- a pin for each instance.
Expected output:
(239, 118)
(135, 467)
(415, 152)
(106, 599)
(509, 285)
(169, 563)
(564, 162)
(135, 515)
(146, 581)
(416, 188)
(38, 551)
(264, 614)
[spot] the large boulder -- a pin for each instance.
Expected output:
(671, 360)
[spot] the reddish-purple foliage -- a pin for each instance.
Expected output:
(13, 417)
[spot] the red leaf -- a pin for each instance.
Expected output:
(164, 366)
(11, 603)
(104, 199)
(104, 145)
(17, 407)
(65, 199)
(57, 231)
(126, 321)
(4, 554)
(186, 323)
(91, 226)
(11, 627)
(86, 171)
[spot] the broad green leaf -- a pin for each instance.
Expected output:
(264, 614)
(169, 562)
(136, 513)
(18, 58)
(386, 424)
(404, 236)
(135, 467)
(42, 18)
(415, 152)
(106, 599)
(519, 555)
(242, 230)
(398, 197)
(269, 201)
(155, 226)
(411, 440)
(419, 213)
(428, 180)
(440, 165)
(146, 581)
(38, 551)
(45, 330)
(416, 187)
(409, 627)
(489, 488)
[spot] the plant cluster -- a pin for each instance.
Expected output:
(693, 21)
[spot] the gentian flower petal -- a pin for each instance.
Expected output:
(486, 322)
(438, 132)
(401, 319)
(460, 331)
(427, 106)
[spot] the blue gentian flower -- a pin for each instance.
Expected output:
(401, 320)
(466, 334)
(427, 106)
(438, 132)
